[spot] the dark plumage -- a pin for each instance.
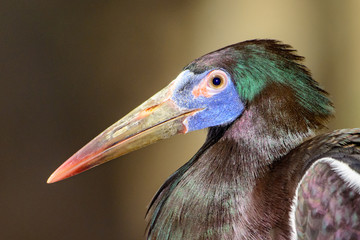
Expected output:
(261, 173)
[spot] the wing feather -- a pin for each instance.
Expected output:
(327, 203)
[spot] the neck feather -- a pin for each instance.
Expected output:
(211, 196)
(272, 124)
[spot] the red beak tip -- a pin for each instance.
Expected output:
(56, 177)
(52, 179)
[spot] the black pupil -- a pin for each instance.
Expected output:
(216, 81)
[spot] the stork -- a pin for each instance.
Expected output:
(263, 172)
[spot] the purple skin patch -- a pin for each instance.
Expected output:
(219, 109)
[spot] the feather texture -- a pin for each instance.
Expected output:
(242, 183)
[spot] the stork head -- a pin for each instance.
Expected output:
(212, 90)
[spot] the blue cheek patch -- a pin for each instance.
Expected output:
(219, 109)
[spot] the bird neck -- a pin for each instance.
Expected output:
(227, 175)
(213, 196)
(271, 125)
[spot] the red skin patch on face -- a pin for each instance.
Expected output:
(201, 90)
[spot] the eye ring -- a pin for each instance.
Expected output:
(217, 79)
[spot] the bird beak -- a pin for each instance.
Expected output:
(156, 119)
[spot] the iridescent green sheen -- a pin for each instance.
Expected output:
(259, 67)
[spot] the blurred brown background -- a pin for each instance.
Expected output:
(69, 69)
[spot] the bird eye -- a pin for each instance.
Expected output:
(217, 79)
(212, 84)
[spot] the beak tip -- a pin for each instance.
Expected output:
(57, 176)
(52, 179)
(66, 170)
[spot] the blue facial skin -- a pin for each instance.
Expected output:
(220, 109)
